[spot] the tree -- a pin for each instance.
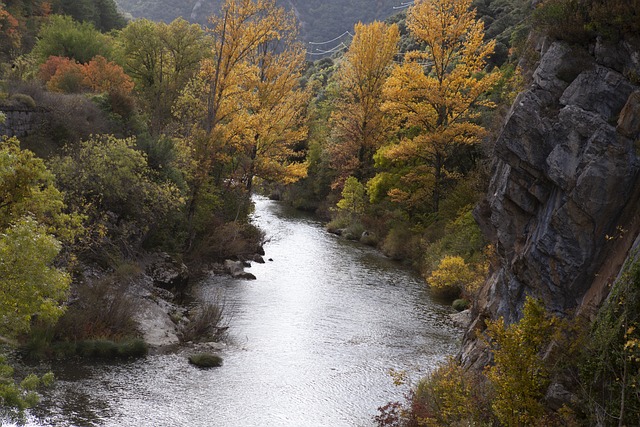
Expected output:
(359, 126)
(102, 76)
(109, 180)
(103, 14)
(353, 197)
(242, 115)
(68, 76)
(62, 36)
(277, 120)
(435, 93)
(32, 226)
(161, 58)
(9, 30)
(452, 277)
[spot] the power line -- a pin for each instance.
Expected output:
(333, 39)
(326, 52)
(403, 5)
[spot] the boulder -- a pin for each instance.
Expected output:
(167, 272)
(236, 270)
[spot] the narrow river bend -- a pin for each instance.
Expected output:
(311, 343)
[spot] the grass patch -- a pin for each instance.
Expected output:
(205, 360)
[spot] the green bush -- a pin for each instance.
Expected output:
(460, 304)
(205, 360)
(23, 100)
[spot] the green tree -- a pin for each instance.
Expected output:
(353, 197)
(62, 36)
(161, 58)
(31, 284)
(103, 14)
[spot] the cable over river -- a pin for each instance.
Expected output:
(311, 343)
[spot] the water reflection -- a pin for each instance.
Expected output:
(311, 344)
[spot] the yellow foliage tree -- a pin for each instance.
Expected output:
(244, 113)
(277, 119)
(358, 124)
(437, 91)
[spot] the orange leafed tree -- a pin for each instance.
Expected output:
(358, 124)
(101, 76)
(68, 76)
(438, 91)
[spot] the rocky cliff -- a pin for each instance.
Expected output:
(561, 206)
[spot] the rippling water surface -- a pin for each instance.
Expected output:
(311, 343)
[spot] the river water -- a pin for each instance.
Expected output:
(311, 343)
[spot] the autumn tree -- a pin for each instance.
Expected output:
(161, 58)
(243, 114)
(103, 76)
(359, 126)
(277, 119)
(435, 93)
(9, 30)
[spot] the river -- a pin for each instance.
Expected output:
(311, 343)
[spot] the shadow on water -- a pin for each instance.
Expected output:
(311, 343)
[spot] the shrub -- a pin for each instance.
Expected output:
(22, 100)
(563, 20)
(103, 310)
(519, 375)
(610, 371)
(450, 396)
(452, 277)
(460, 304)
(401, 244)
(205, 360)
(207, 323)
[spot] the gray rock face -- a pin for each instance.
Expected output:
(565, 169)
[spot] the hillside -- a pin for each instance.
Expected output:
(320, 19)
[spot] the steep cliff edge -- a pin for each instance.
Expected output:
(561, 205)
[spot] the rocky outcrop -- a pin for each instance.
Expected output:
(167, 273)
(236, 270)
(564, 183)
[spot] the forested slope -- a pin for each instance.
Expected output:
(321, 20)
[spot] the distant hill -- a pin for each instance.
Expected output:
(321, 20)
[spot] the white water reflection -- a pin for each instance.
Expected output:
(311, 344)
